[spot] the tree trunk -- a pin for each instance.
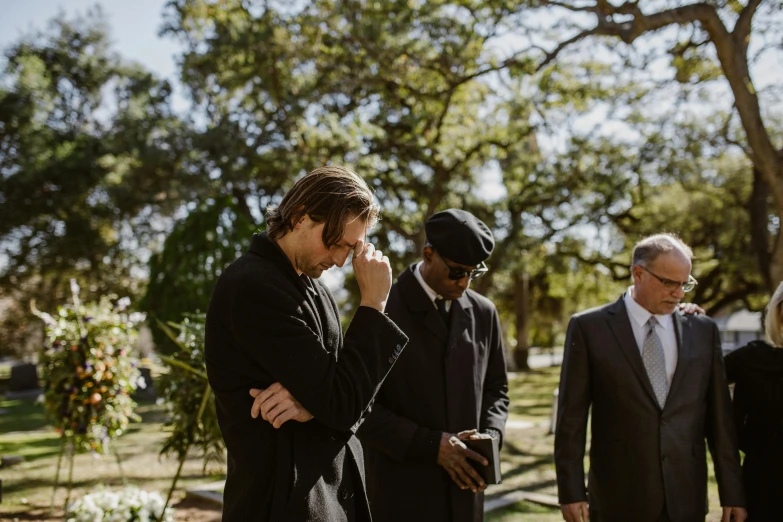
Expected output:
(758, 209)
(732, 53)
(522, 313)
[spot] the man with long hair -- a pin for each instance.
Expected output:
(273, 329)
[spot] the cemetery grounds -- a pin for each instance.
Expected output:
(527, 460)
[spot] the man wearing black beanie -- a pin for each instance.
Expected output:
(449, 385)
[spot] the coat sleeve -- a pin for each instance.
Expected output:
(270, 326)
(494, 399)
(721, 432)
(733, 364)
(399, 437)
(571, 426)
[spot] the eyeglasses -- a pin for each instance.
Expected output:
(672, 285)
(455, 274)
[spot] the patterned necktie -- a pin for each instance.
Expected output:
(440, 303)
(655, 363)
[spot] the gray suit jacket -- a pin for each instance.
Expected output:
(642, 457)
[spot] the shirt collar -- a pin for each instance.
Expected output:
(641, 315)
(432, 294)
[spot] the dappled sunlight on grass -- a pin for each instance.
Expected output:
(531, 394)
(527, 456)
(23, 415)
(524, 511)
(27, 487)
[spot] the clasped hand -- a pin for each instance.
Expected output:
(453, 455)
(277, 406)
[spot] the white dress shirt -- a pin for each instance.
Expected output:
(432, 294)
(665, 330)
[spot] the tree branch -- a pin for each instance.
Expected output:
(741, 31)
(640, 23)
(551, 56)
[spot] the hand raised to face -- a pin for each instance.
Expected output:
(373, 273)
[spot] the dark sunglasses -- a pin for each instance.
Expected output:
(455, 274)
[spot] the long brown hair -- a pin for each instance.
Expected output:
(329, 195)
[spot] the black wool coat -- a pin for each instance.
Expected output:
(643, 458)
(266, 324)
(757, 370)
(445, 381)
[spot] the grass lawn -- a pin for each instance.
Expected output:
(27, 487)
(527, 460)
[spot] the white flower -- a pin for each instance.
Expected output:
(130, 503)
(47, 319)
(137, 317)
(123, 303)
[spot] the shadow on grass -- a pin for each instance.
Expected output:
(47, 483)
(530, 393)
(542, 464)
(520, 511)
(149, 412)
(29, 415)
(31, 447)
(512, 448)
(22, 415)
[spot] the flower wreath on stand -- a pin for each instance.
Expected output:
(89, 375)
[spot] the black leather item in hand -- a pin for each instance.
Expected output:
(490, 450)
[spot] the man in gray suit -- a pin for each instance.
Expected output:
(657, 387)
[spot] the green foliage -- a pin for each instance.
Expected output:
(89, 154)
(189, 399)
(89, 373)
(437, 104)
(679, 177)
(714, 52)
(198, 248)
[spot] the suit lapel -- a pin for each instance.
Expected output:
(417, 300)
(620, 324)
(461, 315)
(683, 330)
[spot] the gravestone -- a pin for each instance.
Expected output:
(10, 460)
(553, 421)
(24, 377)
(148, 392)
